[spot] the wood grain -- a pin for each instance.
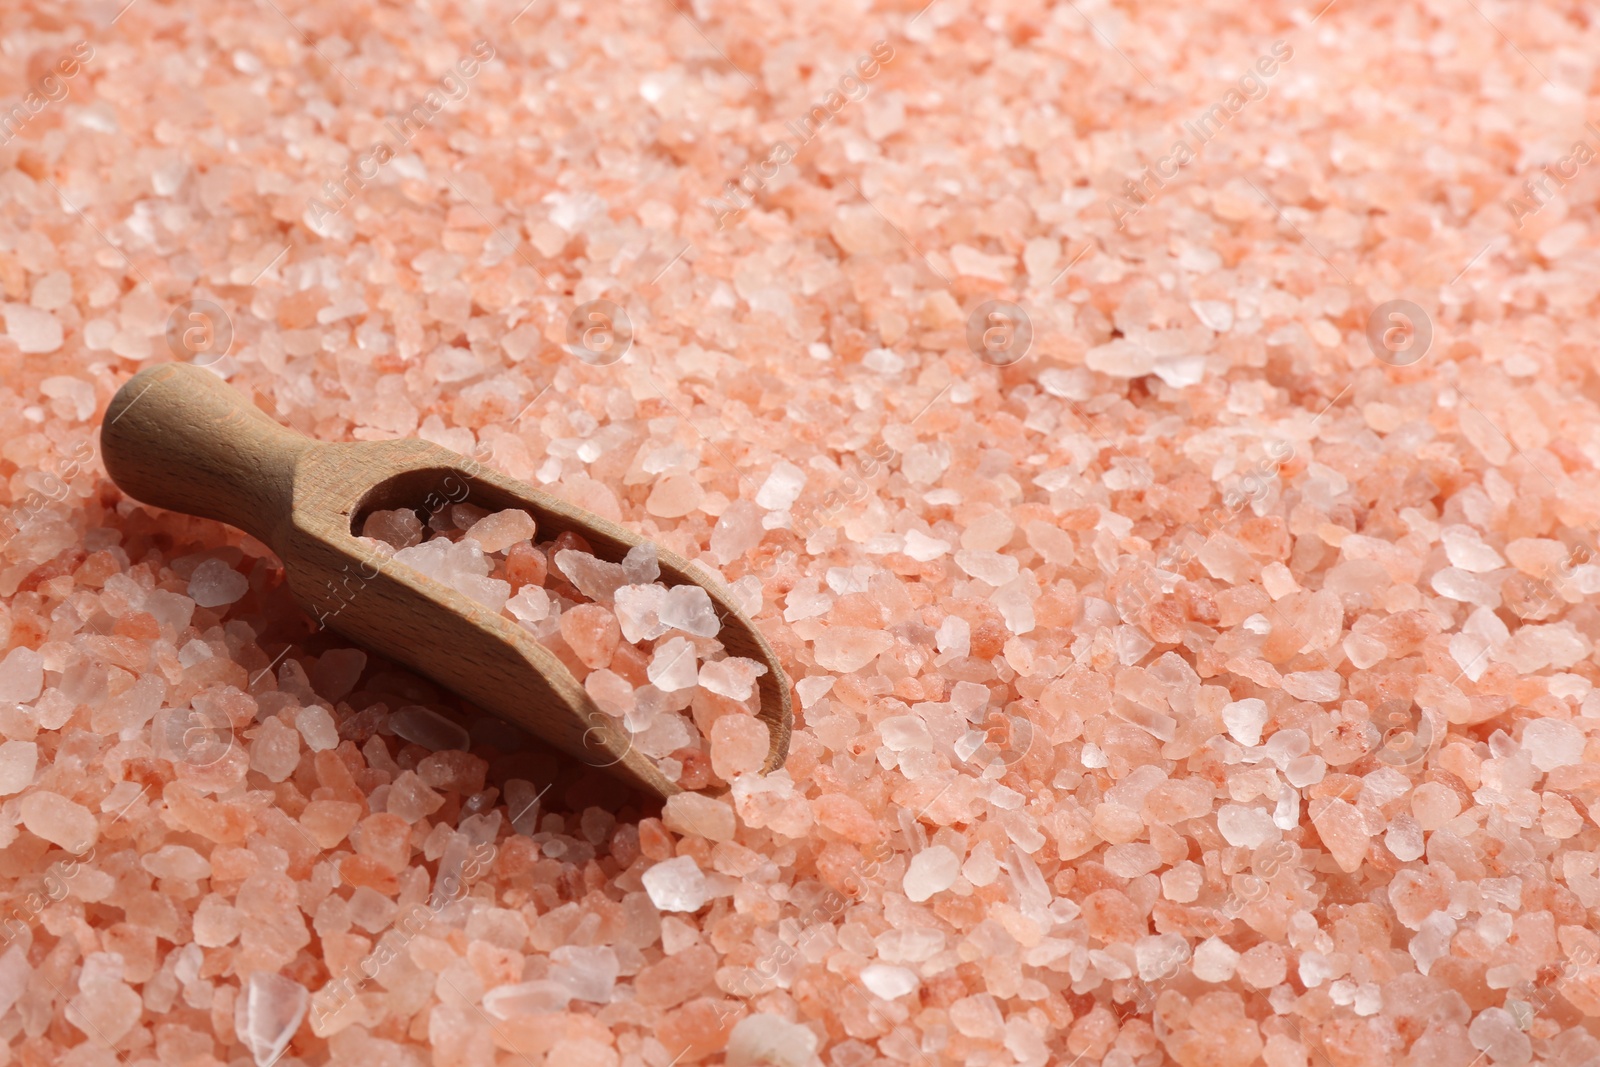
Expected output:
(177, 437)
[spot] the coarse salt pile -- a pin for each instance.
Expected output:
(1200, 671)
(646, 652)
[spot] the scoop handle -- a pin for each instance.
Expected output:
(176, 436)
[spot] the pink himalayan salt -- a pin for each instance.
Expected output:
(592, 633)
(694, 813)
(733, 677)
(850, 648)
(739, 745)
(18, 762)
(60, 821)
(400, 528)
(501, 530)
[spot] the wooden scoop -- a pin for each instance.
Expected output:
(177, 437)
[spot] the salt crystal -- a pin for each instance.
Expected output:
(400, 528)
(1246, 827)
(425, 727)
(588, 972)
(1214, 961)
(1245, 720)
(850, 648)
(59, 820)
(595, 578)
(1320, 686)
(990, 567)
(782, 487)
(689, 608)
(1465, 549)
(1552, 743)
(316, 725)
(889, 982)
(531, 604)
(763, 1039)
(954, 636)
(267, 1013)
(739, 745)
(1495, 1031)
(18, 762)
(214, 584)
(933, 870)
(733, 677)
(673, 666)
(639, 610)
(677, 885)
(541, 997)
(641, 564)
(738, 530)
(610, 691)
(501, 530)
(33, 330)
(694, 813)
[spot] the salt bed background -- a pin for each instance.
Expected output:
(1186, 564)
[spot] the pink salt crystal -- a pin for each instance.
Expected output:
(695, 813)
(501, 530)
(1263, 966)
(592, 634)
(21, 676)
(739, 745)
(105, 1008)
(216, 922)
(18, 762)
(610, 692)
(1343, 829)
(31, 329)
(400, 528)
(674, 496)
(329, 821)
(337, 672)
(537, 998)
(411, 799)
(850, 648)
(595, 578)
(275, 751)
(733, 677)
(214, 584)
(59, 821)
(267, 1014)
(689, 608)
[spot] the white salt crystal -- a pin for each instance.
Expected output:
(771, 1040)
(59, 821)
(595, 578)
(1495, 1032)
(782, 487)
(638, 609)
(689, 608)
(1214, 960)
(18, 762)
(21, 676)
(316, 725)
(663, 736)
(33, 330)
(1552, 743)
(589, 972)
(737, 531)
(267, 1014)
(990, 567)
(1454, 583)
(954, 636)
(677, 885)
(889, 982)
(194, 652)
(933, 870)
(214, 584)
(734, 677)
(673, 666)
(1465, 549)
(1244, 719)
(1244, 826)
(1320, 686)
(541, 997)
(923, 549)
(812, 689)
(531, 604)
(902, 732)
(641, 564)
